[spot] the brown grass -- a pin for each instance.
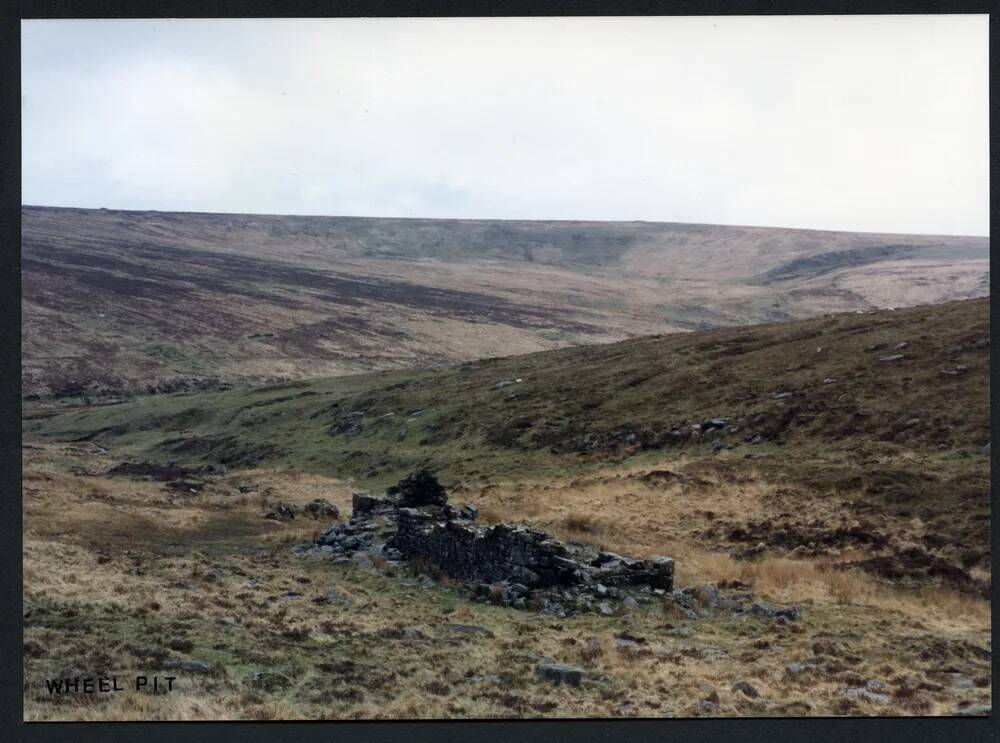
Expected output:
(120, 557)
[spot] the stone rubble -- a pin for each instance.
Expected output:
(511, 565)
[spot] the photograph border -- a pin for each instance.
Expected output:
(580, 731)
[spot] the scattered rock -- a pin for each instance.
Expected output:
(791, 613)
(362, 560)
(471, 629)
(320, 508)
(560, 674)
(761, 609)
(798, 669)
(706, 595)
(269, 681)
(282, 512)
(745, 689)
(340, 599)
(194, 666)
(865, 695)
(961, 681)
(350, 425)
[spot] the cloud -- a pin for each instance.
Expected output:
(866, 123)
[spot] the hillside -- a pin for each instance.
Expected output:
(844, 406)
(804, 381)
(119, 303)
(784, 462)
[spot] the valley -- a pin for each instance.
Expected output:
(836, 463)
(117, 304)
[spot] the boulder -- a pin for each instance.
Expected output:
(558, 674)
(269, 681)
(362, 560)
(194, 666)
(334, 596)
(281, 512)
(320, 508)
(791, 613)
(470, 629)
(744, 688)
(866, 695)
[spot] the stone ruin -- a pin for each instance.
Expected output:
(505, 563)
(514, 565)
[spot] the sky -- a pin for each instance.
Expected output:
(867, 123)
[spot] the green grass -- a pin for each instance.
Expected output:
(469, 429)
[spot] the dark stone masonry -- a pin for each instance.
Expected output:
(509, 564)
(505, 563)
(505, 552)
(426, 526)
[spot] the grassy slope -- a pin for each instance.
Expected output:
(569, 399)
(158, 575)
(147, 576)
(898, 437)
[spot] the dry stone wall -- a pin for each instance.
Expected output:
(513, 565)
(418, 522)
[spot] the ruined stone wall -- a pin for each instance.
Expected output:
(492, 554)
(517, 554)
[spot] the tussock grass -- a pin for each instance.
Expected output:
(153, 576)
(581, 524)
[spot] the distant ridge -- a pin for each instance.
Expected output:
(132, 302)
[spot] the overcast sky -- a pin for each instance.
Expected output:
(858, 123)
